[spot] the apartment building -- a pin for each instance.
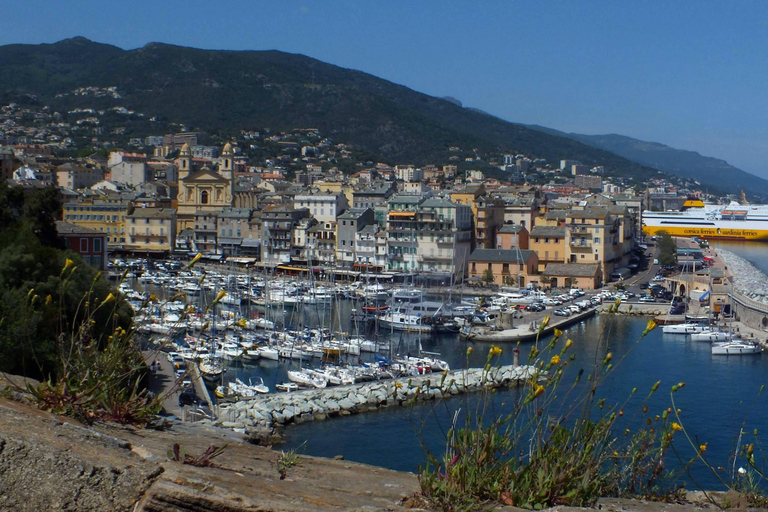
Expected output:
(348, 226)
(511, 236)
(277, 233)
(104, 212)
(323, 207)
(75, 177)
(548, 242)
(512, 267)
(89, 244)
(151, 231)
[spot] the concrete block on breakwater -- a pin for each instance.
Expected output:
(281, 409)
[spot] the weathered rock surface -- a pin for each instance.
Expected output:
(53, 463)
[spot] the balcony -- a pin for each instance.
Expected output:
(581, 230)
(581, 245)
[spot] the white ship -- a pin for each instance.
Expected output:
(732, 221)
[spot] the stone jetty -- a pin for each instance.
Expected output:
(747, 279)
(274, 410)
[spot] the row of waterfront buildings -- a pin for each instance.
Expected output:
(512, 235)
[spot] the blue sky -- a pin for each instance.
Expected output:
(690, 74)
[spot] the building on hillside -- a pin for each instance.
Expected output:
(128, 168)
(323, 207)
(348, 226)
(511, 236)
(548, 242)
(75, 177)
(587, 276)
(521, 210)
(506, 266)
(488, 219)
(9, 162)
(589, 182)
(89, 244)
(151, 231)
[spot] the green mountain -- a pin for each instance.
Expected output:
(708, 171)
(225, 91)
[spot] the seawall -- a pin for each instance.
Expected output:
(275, 410)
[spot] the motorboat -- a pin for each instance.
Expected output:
(305, 379)
(287, 386)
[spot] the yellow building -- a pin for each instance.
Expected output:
(548, 242)
(151, 231)
(99, 211)
(205, 190)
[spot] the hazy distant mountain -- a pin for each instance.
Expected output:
(233, 90)
(709, 171)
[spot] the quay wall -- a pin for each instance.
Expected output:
(280, 409)
(750, 312)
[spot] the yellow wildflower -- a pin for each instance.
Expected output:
(544, 323)
(676, 426)
(495, 351)
(48, 299)
(558, 333)
(242, 323)
(110, 298)
(538, 390)
(398, 385)
(195, 259)
(648, 328)
(220, 296)
(152, 298)
(568, 343)
(555, 360)
(703, 447)
(68, 264)
(469, 351)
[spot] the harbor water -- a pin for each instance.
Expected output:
(721, 397)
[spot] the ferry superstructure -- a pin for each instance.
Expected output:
(733, 221)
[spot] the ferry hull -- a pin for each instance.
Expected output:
(709, 233)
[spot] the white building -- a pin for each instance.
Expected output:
(323, 207)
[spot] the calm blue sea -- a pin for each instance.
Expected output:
(720, 399)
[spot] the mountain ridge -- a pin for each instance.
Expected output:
(679, 162)
(226, 91)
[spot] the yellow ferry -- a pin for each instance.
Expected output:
(733, 221)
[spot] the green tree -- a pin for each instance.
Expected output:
(488, 276)
(667, 249)
(39, 303)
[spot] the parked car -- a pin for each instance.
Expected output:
(646, 298)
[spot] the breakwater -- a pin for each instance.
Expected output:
(748, 280)
(274, 410)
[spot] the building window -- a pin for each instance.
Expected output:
(97, 245)
(83, 245)
(204, 197)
